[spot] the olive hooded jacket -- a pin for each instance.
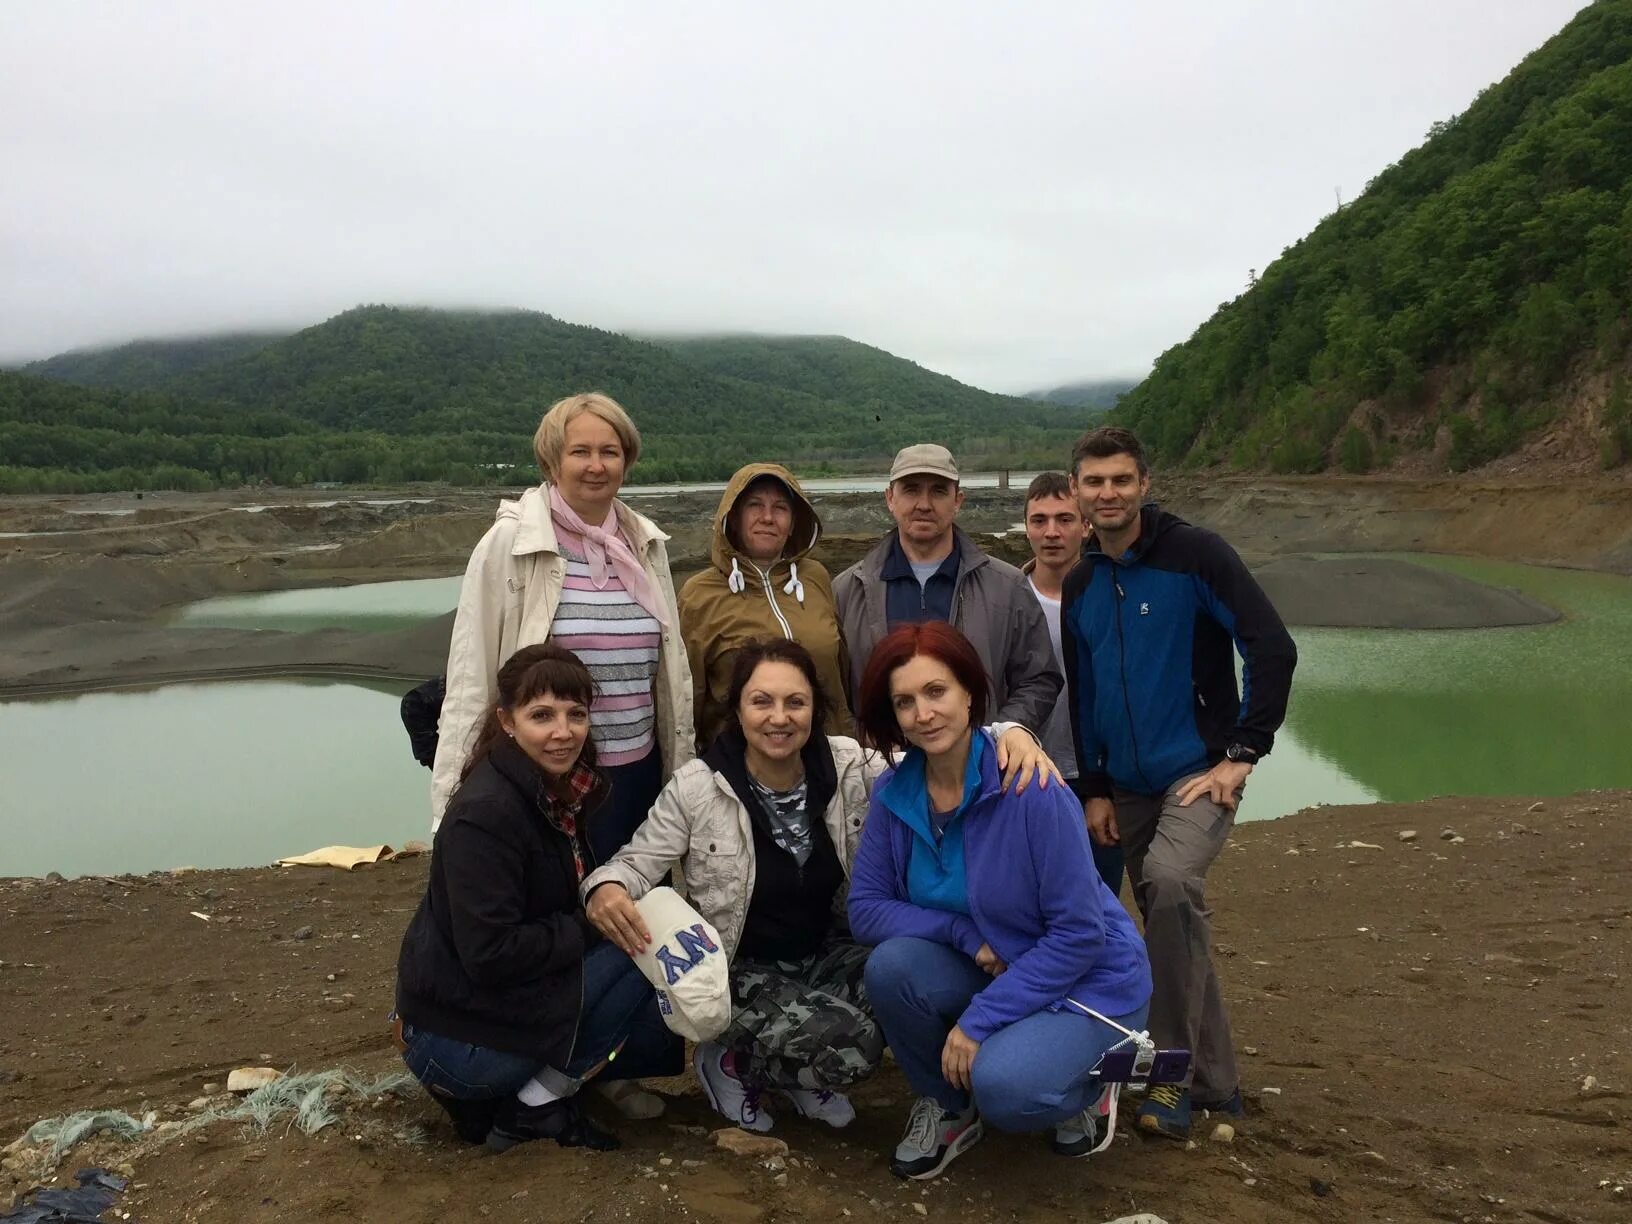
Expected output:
(734, 602)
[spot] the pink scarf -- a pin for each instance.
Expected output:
(607, 552)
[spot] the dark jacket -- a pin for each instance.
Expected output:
(494, 954)
(790, 910)
(1149, 640)
(992, 605)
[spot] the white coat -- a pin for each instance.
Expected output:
(511, 590)
(699, 824)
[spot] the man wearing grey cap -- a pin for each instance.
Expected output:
(926, 569)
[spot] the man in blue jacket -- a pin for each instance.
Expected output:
(1153, 616)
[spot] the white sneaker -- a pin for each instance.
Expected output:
(630, 1099)
(734, 1100)
(935, 1138)
(834, 1108)
(1090, 1132)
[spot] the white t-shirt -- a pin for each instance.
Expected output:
(1057, 733)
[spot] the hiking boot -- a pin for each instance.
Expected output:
(1230, 1105)
(1166, 1111)
(1091, 1130)
(935, 1138)
(732, 1097)
(834, 1108)
(629, 1099)
(471, 1119)
(561, 1120)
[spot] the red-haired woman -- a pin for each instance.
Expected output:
(994, 933)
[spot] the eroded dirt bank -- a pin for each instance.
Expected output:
(83, 579)
(1581, 522)
(1418, 1021)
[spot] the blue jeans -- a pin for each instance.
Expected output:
(1029, 1076)
(619, 1006)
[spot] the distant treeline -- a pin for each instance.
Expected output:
(389, 396)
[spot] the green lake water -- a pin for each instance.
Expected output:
(374, 606)
(241, 773)
(1398, 715)
(204, 775)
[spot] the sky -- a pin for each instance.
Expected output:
(1016, 195)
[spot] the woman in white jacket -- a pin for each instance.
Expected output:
(764, 829)
(570, 563)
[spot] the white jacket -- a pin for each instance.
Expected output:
(699, 823)
(511, 589)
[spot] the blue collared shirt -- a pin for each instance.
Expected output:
(908, 603)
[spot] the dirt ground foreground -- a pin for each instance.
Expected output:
(1433, 1027)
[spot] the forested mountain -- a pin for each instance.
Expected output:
(1092, 393)
(1478, 289)
(833, 367)
(59, 438)
(146, 365)
(387, 394)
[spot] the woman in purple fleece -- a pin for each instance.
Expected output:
(994, 934)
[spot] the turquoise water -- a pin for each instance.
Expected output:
(204, 775)
(373, 606)
(242, 773)
(1399, 715)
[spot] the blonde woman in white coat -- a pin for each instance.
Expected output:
(570, 563)
(764, 828)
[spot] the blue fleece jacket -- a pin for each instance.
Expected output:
(1033, 895)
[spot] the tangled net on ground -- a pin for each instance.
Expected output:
(63, 1133)
(307, 1100)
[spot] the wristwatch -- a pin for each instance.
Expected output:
(1240, 752)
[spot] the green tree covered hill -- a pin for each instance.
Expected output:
(384, 394)
(833, 367)
(1476, 287)
(1092, 393)
(60, 438)
(148, 365)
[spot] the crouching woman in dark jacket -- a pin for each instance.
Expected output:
(509, 999)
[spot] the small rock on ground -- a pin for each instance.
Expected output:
(248, 1079)
(745, 1143)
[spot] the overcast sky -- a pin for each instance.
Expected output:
(1017, 195)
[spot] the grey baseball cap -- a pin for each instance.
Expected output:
(924, 459)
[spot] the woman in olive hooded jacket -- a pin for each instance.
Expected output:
(763, 584)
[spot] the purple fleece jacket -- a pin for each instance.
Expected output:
(1033, 895)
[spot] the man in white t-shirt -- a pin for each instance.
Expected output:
(1055, 531)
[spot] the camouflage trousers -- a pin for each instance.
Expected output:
(806, 1023)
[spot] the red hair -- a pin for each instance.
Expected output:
(935, 640)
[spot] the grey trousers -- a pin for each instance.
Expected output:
(1169, 849)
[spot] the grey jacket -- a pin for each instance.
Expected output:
(992, 605)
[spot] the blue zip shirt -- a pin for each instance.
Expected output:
(906, 601)
(1030, 891)
(935, 870)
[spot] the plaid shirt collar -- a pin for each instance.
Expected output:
(564, 813)
(580, 783)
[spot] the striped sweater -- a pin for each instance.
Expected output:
(618, 641)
